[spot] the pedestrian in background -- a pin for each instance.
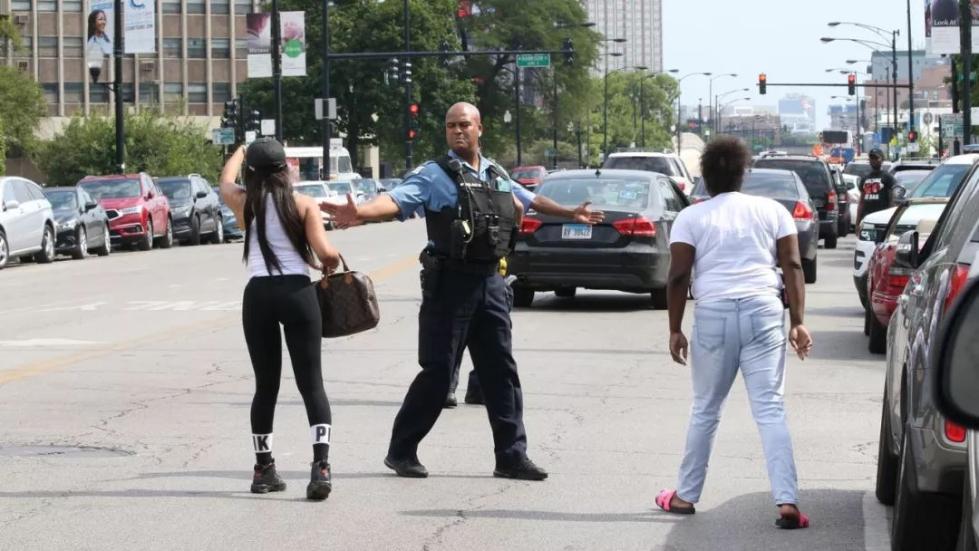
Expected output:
(876, 188)
(734, 244)
(284, 235)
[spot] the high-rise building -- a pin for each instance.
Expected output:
(798, 113)
(639, 22)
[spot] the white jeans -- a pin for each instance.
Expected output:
(746, 335)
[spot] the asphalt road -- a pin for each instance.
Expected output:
(125, 389)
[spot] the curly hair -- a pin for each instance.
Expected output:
(723, 164)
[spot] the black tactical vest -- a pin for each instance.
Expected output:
(481, 228)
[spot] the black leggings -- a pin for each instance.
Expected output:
(291, 301)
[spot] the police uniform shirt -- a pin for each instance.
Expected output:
(876, 191)
(429, 187)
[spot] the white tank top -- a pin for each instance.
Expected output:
(290, 262)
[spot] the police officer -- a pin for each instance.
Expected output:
(544, 205)
(471, 217)
(876, 188)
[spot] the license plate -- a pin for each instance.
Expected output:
(575, 231)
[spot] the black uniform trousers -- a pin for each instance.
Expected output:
(460, 309)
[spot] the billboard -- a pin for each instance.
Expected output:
(139, 28)
(293, 31)
(942, 26)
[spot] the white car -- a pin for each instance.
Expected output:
(872, 226)
(26, 221)
(320, 191)
(667, 164)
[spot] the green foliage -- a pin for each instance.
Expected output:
(159, 145)
(3, 152)
(21, 107)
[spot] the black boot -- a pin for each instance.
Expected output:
(266, 480)
(450, 402)
(320, 481)
(520, 469)
(408, 468)
(474, 395)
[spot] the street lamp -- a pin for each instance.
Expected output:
(605, 109)
(554, 107)
(642, 103)
(710, 94)
(718, 98)
(721, 108)
(679, 105)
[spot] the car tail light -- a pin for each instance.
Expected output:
(954, 432)
(682, 185)
(959, 276)
(897, 280)
(640, 226)
(530, 225)
(801, 211)
(831, 200)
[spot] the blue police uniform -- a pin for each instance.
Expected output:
(464, 308)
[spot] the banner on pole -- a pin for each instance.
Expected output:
(293, 27)
(139, 24)
(942, 26)
(98, 35)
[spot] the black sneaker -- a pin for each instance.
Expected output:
(450, 402)
(474, 396)
(408, 468)
(267, 480)
(522, 469)
(320, 481)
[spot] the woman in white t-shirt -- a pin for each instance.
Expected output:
(733, 244)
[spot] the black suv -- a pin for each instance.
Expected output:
(816, 177)
(195, 208)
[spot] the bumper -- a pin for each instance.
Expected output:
(807, 241)
(938, 466)
(126, 229)
(181, 227)
(636, 270)
(882, 305)
(861, 258)
(65, 241)
(828, 227)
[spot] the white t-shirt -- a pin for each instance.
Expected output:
(734, 236)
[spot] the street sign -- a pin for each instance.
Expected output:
(250, 137)
(525, 61)
(331, 109)
(268, 127)
(952, 125)
(223, 136)
(912, 147)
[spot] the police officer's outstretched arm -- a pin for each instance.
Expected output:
(351, 214)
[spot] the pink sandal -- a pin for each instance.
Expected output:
(793, 522)
(665, 499)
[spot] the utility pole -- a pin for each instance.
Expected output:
(516, 97)
(910, 74)
(956, 144)
(325, 129)
(277, 69)
(117, 51)
(965, 33)
(554, 159)
(407, 78)
(894, 77)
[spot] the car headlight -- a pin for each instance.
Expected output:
(67, 224)
(132, 210)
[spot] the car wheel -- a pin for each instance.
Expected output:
(659, 298)
(877, 333)
(47, 247)
(809, 270)
(146, 243)
(862, 293)
(106, 247)
(4, 250)
(195, 231)
(887, 464)
(167, 240)
(922, 520)
(967, 536)
(830, 242)
(81, 245)
(522, 297)
(218, 236)
(566, 292)
(866, 321)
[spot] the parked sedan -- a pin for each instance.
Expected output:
(629, 251)
(319, 191)
(26, 221)
(885, 281)
(922, 455)
(81, 223)
(231, 228)
(195, 208)
(139, 213)
(529, 176)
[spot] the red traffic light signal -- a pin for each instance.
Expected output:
(412, 134)
(851, 84)
(912, 136)
(762, 83)
(413, 110)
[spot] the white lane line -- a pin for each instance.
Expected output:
(876, 530)
(47, 342)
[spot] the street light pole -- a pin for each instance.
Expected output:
(117, 51)
(679, 104)
(325, 129)
(516, 106)
(605, 102)
(710, 95)
(409, 150)
(276, 69)
(910, 74)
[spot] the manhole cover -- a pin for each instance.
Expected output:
(61, 451)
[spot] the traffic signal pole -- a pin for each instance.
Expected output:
(325, 128)
(277, 69)
(409, 144)
(117, 51)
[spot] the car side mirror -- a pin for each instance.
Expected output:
(149, 195)
(954, 360)
(906, 255)
(201, 194)
(11, 204)
(91, 205)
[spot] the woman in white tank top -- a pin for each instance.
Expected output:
(284, 236)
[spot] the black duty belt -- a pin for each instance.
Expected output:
(432, 262)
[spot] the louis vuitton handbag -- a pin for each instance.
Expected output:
(348, 303)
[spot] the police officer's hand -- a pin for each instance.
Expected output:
(585, 215)
(344, 215)
(678, 347)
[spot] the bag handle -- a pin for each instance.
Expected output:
(324, 282)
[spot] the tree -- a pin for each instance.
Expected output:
(21, 107)
(157, 144)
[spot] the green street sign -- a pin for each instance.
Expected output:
(223, 136)
(525, 61)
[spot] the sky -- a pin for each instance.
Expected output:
(779, 38)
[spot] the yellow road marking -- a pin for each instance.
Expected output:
(60, 362)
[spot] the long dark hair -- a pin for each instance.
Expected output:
(92, 17)
(277, 186)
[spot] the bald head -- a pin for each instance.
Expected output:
(464, 108)
(463, 127)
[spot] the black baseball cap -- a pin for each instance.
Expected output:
(265, 154)
(876, 153)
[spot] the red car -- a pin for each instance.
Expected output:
(885, 282)
(138, 211)
(529, 176)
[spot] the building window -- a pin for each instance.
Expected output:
(149, 94)
(173, 92)
(71, 46)
(50, 90)
(243, 6)
(47, 46)
(220, 48)
(73, 92)
(241, 48)
(98, 93)
(27, 43)
(197, 92)
(171, 6)
(47, 5)
(20, 5)
(220, 7)
(195, 6)
(172, 47)
(71, 6)
(196, 48)
(221, 92)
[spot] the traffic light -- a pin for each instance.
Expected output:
(912, 136)
(254, 122)
(568, 47)
(762, 84)
(393, 73)
(851, 84)
(231, 118)
(413, 127)
(412, 134)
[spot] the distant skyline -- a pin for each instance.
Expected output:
(780, 39)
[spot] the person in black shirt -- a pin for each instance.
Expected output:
(876, 188)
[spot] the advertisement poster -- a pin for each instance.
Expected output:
(942, 26)
(99, 30)
(259, 28)
(139, 24)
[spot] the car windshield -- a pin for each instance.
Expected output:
(341, 188)
(770, 185)
(941, 182)
(527, 174)
(62, 200)
(813, 174)
(605, 193)
(177, 191)
(908, 179)
(649, 164)
(111, 189)
(312, 190)
(366, 185)
(912, 216)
